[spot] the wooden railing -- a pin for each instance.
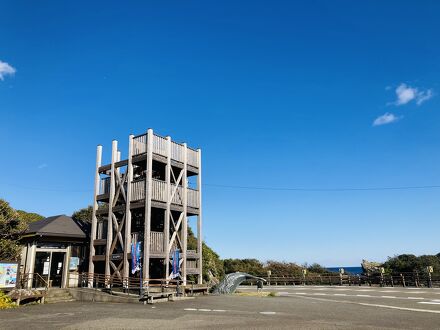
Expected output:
(158, 189)
(104, 186)
(156, 242)
(192, 157)
(137, 190)
(139, 144)
(412, 279)
(101, 281)
(37, 281)
(177, 151)
(193, 198)
(191, 254)
(159, 145)
(191, 263)
(159, 193)
(160, 148)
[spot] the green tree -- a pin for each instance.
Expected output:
(83, 215)
(283, 268)
(12, 225)
(29, 217)
(408, 263)
(250, 266)
(317, 269)
(211, 260)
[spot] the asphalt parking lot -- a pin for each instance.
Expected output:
(295, 307)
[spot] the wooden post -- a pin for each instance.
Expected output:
(110, 210)
(185, 210)
(147, 221)
(65, 277)
(94, 219)
(199, 218)
(129, 178)
(166, 235)
(32, 255)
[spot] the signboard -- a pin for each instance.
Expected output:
(46, 268)
(8, 274)
(73, 264)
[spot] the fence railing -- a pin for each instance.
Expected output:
(159, 145)
(159, 193)
(395, 279)
(124, 284)
(192, 157)
(193, 198)
(37, 281)
(139, 144)
(156, 242)
(160, 148)
(104, 186)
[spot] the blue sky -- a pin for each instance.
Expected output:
(282, 94)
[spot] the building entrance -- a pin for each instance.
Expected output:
(50, 266)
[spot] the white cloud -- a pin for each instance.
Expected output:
(406, 94)
(41, 166)
(386, 118)
(6, 69)
(424, 96)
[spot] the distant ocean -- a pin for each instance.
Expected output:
(347, 270)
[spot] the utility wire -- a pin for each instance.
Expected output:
(323, 189)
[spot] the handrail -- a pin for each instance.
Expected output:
(24, 279)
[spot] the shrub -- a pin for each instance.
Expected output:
(5, 301)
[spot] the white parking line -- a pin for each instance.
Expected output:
(358, 295)
(376, 305)
(429, 302)
(268, 313)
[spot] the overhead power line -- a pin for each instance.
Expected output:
(322, 189)
(262, 188)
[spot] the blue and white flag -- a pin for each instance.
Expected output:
(176, 264)
(135, 257)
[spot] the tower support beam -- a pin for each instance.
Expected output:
(147, 223)
(94, 209)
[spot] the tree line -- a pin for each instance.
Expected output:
(13, 223)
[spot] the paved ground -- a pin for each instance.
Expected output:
(296, 307)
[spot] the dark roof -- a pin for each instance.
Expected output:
(58, 225)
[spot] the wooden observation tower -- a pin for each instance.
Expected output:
(149, 197)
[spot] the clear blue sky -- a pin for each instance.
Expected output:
(311, 94)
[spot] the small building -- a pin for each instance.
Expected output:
(54, 252)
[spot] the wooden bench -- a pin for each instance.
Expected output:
(149, 298)
(20, 296)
